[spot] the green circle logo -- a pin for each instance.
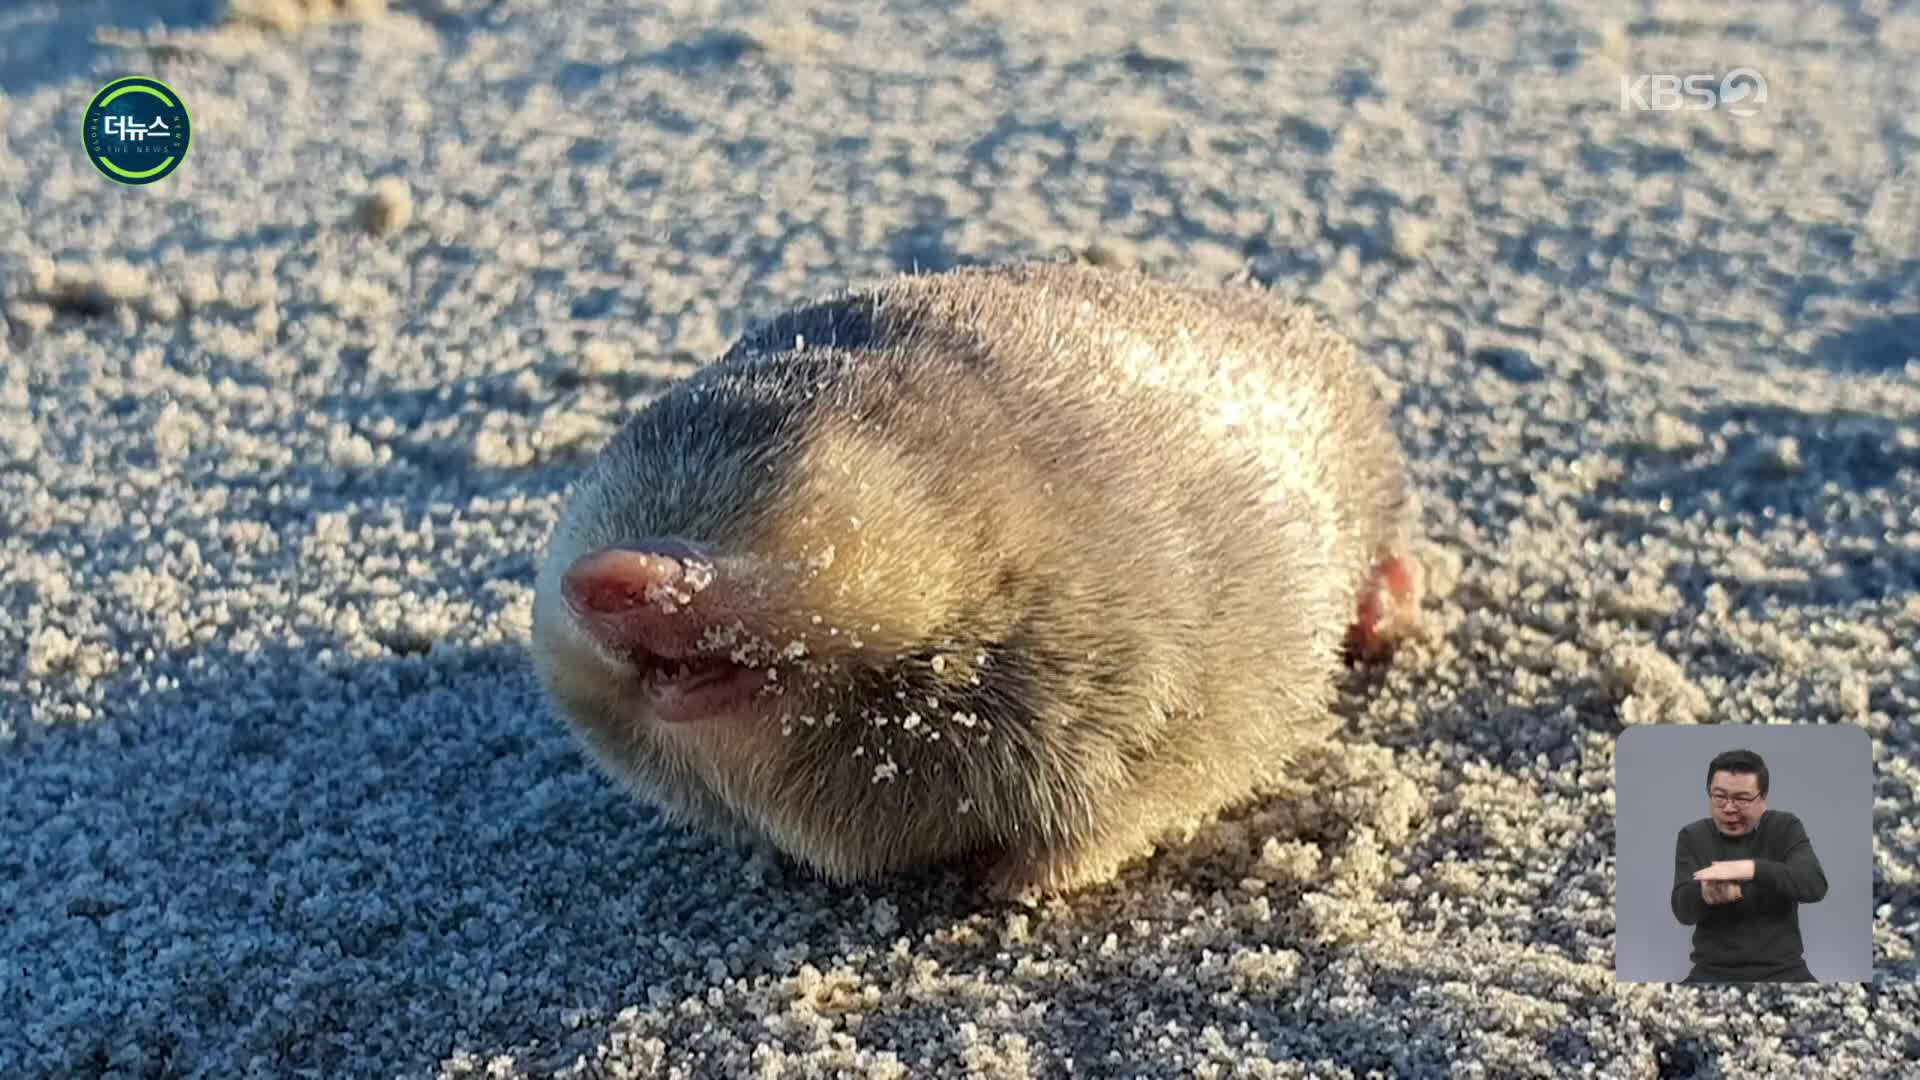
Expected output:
(137, 130)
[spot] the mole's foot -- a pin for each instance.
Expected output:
(1025, 876)
(1389, 608)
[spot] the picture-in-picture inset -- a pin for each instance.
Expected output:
(1745, 854)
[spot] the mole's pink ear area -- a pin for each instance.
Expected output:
(656, 598)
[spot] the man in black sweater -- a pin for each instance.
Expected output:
(1739, 877)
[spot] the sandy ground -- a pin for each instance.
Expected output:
(280, 797)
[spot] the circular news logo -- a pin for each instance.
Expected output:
(137, 130)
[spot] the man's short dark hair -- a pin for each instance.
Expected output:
(1739, 761)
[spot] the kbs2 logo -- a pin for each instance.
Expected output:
(1741, 92)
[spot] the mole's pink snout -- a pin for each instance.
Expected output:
(1389, 607)
(651, 600)
(662, 607)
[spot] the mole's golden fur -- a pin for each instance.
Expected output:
(1030, 563)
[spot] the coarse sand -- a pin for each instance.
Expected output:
(282, 434)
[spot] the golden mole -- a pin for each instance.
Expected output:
(1027, 564)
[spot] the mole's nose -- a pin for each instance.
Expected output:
(639, 597)
(616, 579)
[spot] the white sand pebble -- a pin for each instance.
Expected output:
(293, 16)
(1672, 435)
(1653, 688)
(388, 208)
(697, 575)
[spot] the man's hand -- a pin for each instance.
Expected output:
(1726, 870)
(1719, 892)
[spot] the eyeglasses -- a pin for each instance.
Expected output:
(1722, 797)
